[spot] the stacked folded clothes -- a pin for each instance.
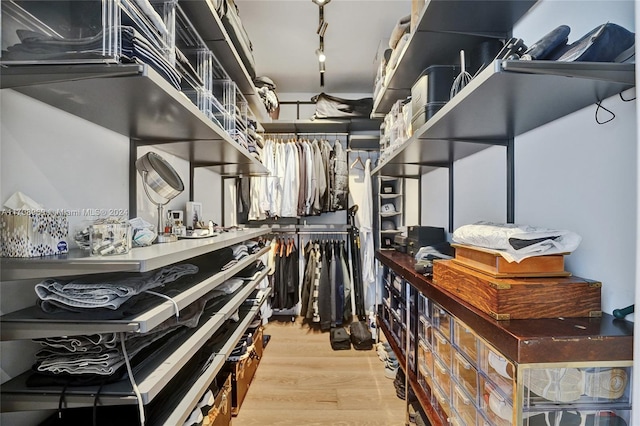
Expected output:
(252, 271)
(229, 286)
(253, 246)
(105, 291)
(240, 251)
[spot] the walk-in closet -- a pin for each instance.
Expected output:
(318, 212)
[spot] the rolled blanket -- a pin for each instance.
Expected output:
(402, 27)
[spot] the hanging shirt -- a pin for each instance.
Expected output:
(311, 177)
(302, 187)
(290, 183)
(266, 185)
(366, 230)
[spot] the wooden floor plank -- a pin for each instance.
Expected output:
(302, 381)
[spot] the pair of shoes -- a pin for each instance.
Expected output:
(195, 418)
(386, 354)
(500, 365)
(575, 418)
(206, 402)
(569, 384)
(391, 368)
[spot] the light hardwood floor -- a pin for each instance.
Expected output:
(301, 381)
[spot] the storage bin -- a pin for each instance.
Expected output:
(553, 385)
(465, 340)
(85, 31)
(466, 375)
(425, 357)
(441, 320)
(424, 380)
(496, 403)
(464, 406)
(441, 402)
(433, 85)
(425, 330)
(33, 233)
(424, 113)
(442, 348)
(495, 366)
(442, 376)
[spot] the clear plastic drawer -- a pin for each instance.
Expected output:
(441, 403)
(441, 320)
(499, 369)
(425, 330)
(601, 386)
(442, 348)
(465, 374)
(465, 340)
(425, 357)
(497, 402)
(442, 376)
(464, 406)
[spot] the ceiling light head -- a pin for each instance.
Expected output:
(321, 56)
(321, 2)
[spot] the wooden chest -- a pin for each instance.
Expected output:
(220, 413)
(492, 263)
(242, 373)
(519, 298)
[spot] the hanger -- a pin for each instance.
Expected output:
(356, 162)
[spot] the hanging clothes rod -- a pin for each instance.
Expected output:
(323, 233)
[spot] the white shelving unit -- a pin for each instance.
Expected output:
(395, 197)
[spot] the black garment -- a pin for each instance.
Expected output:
(339, 284)
(324, 291)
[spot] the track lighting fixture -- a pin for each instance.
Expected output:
(322, 28)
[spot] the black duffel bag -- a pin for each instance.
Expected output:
(328, 106)
(361, 337)
(339, 339)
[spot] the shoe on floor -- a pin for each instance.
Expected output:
(391, 369)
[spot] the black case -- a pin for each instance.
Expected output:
(339, 339)
(426, 234)
(361, 337)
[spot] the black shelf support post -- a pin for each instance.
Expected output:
(511, 184)
(133, 176)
